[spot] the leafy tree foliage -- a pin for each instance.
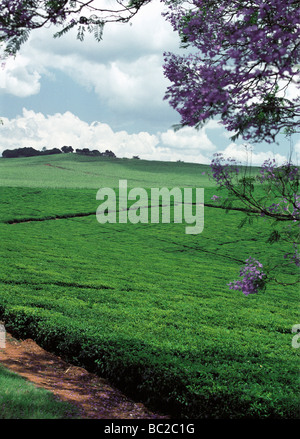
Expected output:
(66, 149)
(19, 17)
(272, 194)
(245, 55)
(243, 67)
(28, 152)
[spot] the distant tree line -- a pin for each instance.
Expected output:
(95, 152)
(31, 152)
(28, 152)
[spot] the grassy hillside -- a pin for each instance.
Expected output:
(145, 305)
(20, 399)
(77, 171)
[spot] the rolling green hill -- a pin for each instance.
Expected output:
(77, 171)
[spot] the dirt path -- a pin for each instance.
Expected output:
(94, 397)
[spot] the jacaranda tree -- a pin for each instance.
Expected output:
(245, 56)
(19, 17)
(243, 67)
(273, 194)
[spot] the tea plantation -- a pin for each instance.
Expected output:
(146, 305)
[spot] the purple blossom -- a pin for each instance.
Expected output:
(283, 182)
(223, 171)
(294, 257)
(280, 183)
(20, 17)
(239, 58)
(253, 278)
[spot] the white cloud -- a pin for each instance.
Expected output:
(297, 152)
(124, 70)
(246, 154)
(188, 139)
(169, 155)
(54, 131)
(124, 86)
(17, 77)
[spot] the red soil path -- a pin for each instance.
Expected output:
(93, 396)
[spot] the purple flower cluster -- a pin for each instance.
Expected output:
(283, 182)
(253, 278)
(279, 201)
(294, 257)
(215, 198)
(280, 183)
(269, 170)
(223, 171)
(13, 12)
(242, 51)
(19, 17)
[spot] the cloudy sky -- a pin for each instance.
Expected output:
(108, 95)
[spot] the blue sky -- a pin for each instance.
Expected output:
(107, 95)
